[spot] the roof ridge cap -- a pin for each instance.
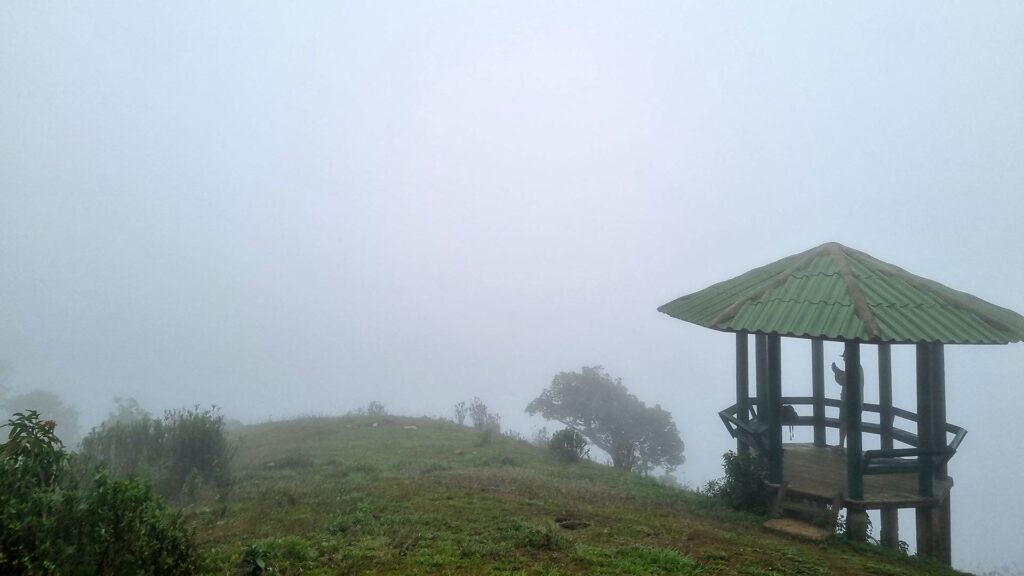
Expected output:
(860, 303)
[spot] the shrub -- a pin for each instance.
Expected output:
(54, 523)
(33, 467)
(195, 442)
(481, 418)
(568, 445)
(124, 528)
(743, 487)
(183, 450)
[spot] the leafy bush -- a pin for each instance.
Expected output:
(124, 528)
(183, 450)
(51, 522)
(481, 418)
(195, 441)
(743, 487)
(568, 445)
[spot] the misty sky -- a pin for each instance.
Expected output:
(289, 209)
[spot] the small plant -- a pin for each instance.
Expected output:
(846, 528)
(569, 445)
(255, 559)
(743, 487)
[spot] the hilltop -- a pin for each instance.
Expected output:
(393, 495)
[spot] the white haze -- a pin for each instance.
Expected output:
(295, 208)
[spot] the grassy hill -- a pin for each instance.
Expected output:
(357, 495)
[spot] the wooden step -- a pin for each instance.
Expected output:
(791, 505)
(798, 529)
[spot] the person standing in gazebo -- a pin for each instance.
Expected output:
(840, 376)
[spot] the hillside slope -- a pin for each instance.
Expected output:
(357, 495)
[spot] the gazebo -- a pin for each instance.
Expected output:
(839, 294)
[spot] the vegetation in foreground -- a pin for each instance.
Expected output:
(59, 518)
(387, 495)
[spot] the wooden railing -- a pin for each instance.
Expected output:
(754, 432)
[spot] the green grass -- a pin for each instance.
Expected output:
(341, 496)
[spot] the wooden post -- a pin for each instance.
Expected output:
(927, 518)
(927, 527)
(925, 426)
(742, 387)
(890, 529)
(942, 540)
(818, 390)
(885, 394)
(854, 442)
(889, 535)
(775, 409)
(856, 524)
(761, 374)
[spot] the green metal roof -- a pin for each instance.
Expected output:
(839, 293)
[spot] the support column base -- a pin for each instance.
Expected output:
(889, 532)
(856, 524)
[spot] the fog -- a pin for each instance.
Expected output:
(297, 209)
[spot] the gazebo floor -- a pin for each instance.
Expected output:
(821, 473)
